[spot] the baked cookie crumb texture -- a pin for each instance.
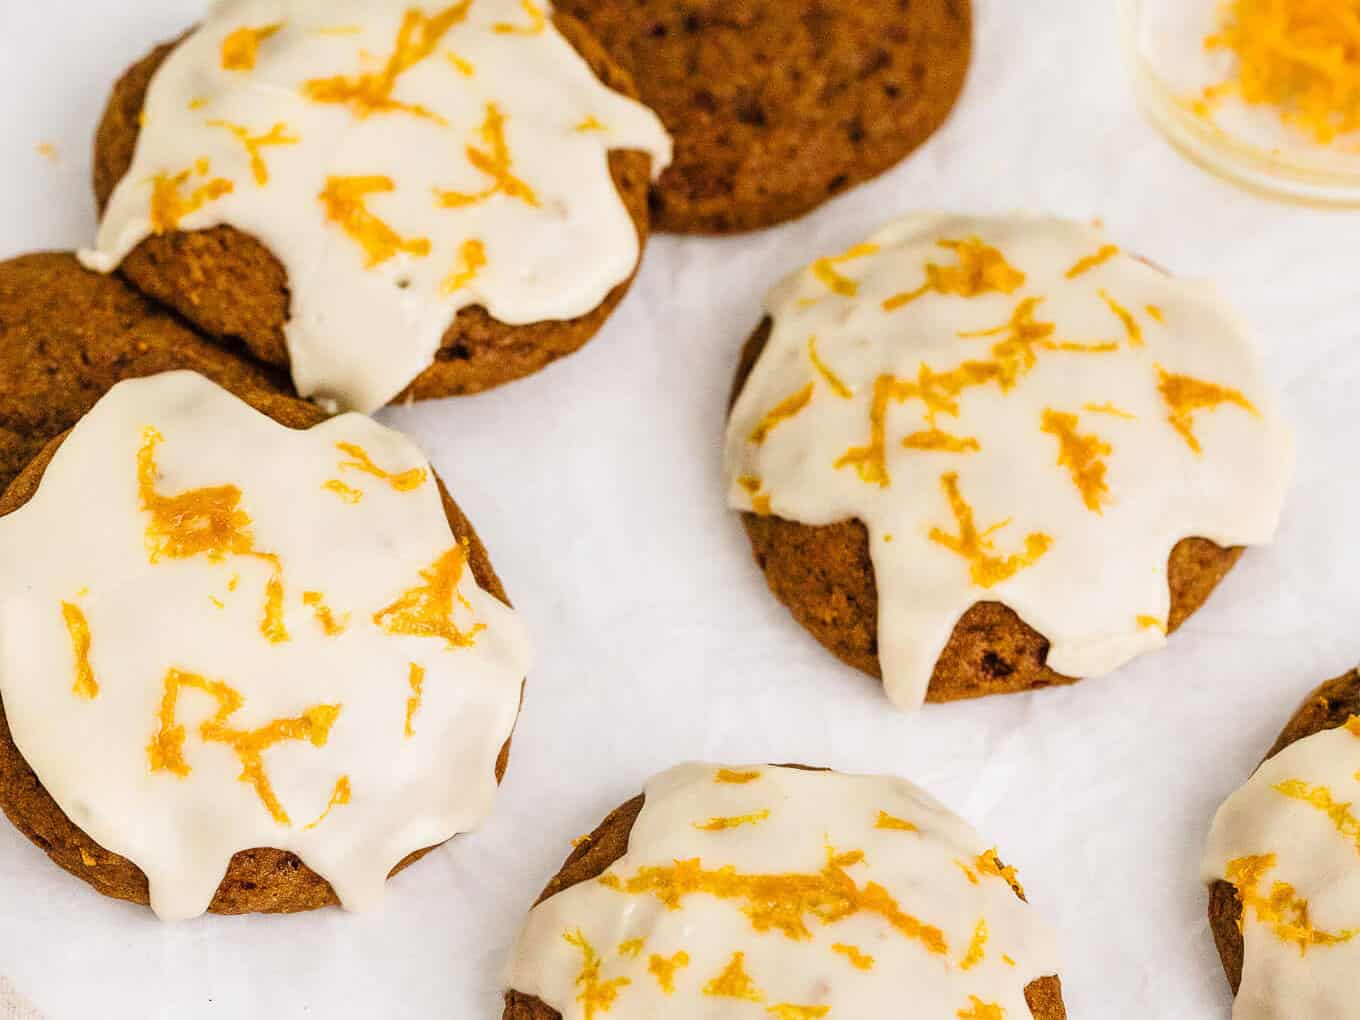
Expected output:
(1017, 413)
(785, 893)
(400, 163)
(208, 647)
(1281, 864)
(778, 105)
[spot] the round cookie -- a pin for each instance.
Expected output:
(263, 879)
(824, 576)
(597, 852)
(228, 284)
(1329, 707)
(778, 105)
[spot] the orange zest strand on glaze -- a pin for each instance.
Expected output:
(166, 750)
(1320, 797)
(1282, 909)
(734, 982)
(780, 413)
(981, 269)
(345, 201)
(340, 796)
(277, 135)
(369, 93)
(985, 569)
(591, 123)
(825, 269)
(1131, 327)
(169, 207)
(733, 822)
(1081, 455)
(988, 863)
(979, 1010)
(858, 959)
(838, 387)
(471, 261)
(416, 680)
(781, 902)
(1146, 622)
(760, 501)
(405, 481)
(632, 949)
(494, 160)
(595, 995)
(460, 65)
(977, 949)
(345, 492)
(537, 21)
(1084, 266)
(664, 970)
(1185, 397)
(735, 778)
(329, 623)
(241, 48)
(788, 1011)
(893, 823)
(204, 522)
(1300, 56)
(427, 609)
(76, 625)
(1110, 409)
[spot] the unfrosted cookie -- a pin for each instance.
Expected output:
(778, 105)
(963, 452)
(266, 660)
(788, 892)
(411, 205)
(1284, 885)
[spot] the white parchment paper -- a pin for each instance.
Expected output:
(596, 486)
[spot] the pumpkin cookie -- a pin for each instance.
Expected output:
(806, 893)
(212, 710)
(985, 455)
(778, 105)
(417, 202)
(1284, 884)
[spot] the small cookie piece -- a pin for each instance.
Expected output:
(457, 213)
(265, 661)
(67, 335)
(1284, 883)
(792, 892)
(982, 455)
(778, 105)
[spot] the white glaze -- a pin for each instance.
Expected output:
(83, 540)
(810, 814)
(358, 334)
(1102, 571)
(1282, 980)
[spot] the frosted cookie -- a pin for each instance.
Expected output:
(1284, 896)
(986, 455)
(778, 105)
(387, 198)
(785, 893)
(248, 662)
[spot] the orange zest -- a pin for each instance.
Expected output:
(787, 408)
(405, 481)
(664, 969)
(893, 823)
(1131, 327)
(981, 269)
(760, 501)
(494, 161)
(838, 387)
(979, 1010)
(471, 261)
(427, 609)
(1185, 397)
(734, 982)
(1084, 266)
(858, 959)
(1282, 909)
(825, 269)
(733, 822)
(595, 994)
(416, 680)
(735, 778)
(985, 568)
(169, 206)
(340, 796)
(79, 628)
(977, 949)
(241, 48)
(277, 135)
(329, 623)
(345, 492)
(345, 202)
(1081, 455)
(537, 21)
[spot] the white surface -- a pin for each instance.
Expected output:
(597, 487)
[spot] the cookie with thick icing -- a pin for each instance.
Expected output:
(251, 659)
(778, 105)
(395, 202)
(784, 892)
(981, 455)
(1284, 888)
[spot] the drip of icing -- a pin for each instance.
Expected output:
(206, 737)
(1289, 842)
(448, 171)
(776, 919)
(1051, 462)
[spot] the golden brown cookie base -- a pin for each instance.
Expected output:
(608, 843)
(1328, 707)
(230, 285)
(825, 576)
(66, 337)
(778, 105)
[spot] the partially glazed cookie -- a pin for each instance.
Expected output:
(1284, 882)
(777, 106)
(384, 198)
(978, 455)
(248, 661)
(784, 892)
